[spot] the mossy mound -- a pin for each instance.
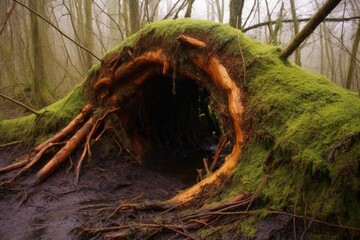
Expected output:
(302, 148)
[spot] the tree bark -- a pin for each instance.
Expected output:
(134, 15)
(296, 31)
(309, 28)
(88, 36)
(236, 8)
(189, 8)
(353, 58)
(41, 95)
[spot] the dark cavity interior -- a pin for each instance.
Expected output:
(174, 118)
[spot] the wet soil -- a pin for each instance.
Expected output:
(57, 208)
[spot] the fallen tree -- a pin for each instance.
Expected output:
(294, 135)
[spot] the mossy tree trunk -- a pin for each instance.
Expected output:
(295, 136)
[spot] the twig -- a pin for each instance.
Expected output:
(174, 207)
(257, 192)
(242, 58)
(10, 143)
(21, 104)
(175, 230)
(219, 149)
(206, 165)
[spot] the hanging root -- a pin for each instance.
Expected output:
(87, 150)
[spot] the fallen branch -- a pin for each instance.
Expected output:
(299, 20)
(21, 104)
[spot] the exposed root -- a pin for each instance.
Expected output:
(135, 71)
(36, 158)
(87, 149)
(62, 155)
(14, 166)
(29, 160)
(191, 41)
(77, 121)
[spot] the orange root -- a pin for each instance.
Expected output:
(62, 155)
(77, 121)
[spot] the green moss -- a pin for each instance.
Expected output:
(304, 116)
(37, 128)
(296, 118)
(247, 227)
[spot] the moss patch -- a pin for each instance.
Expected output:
(297, 117)
(35, 129)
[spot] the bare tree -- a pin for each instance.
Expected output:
(41, 94)
(189, 8)
(296, 31)
(353, 59)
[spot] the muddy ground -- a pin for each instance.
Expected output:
(58, 208)
(61, 209)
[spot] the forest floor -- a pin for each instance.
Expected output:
(58, 207)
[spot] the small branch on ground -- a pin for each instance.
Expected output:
(10, 144)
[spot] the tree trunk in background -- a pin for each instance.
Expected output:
(353, 60)
(220, 10)
(3, 17)
(236, 7)
(88, 37)
(125, 13)
(134, 15)
(274, 32)
(189, 8)
(41, 95)
(296, 31)
(322, 47)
